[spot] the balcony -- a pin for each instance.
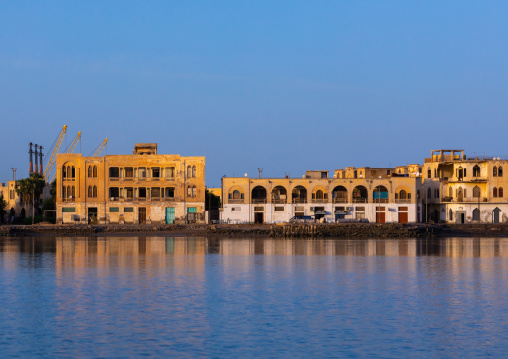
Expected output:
(360, 200)
(339, 200)
(299, 200)
(278, 201)
(320, 200)
(259, 200)
(402, 201)
(235, 201)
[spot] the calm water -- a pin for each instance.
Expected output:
(197, 297)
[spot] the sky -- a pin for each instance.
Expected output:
(286, 86)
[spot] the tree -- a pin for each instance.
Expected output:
(27, 188)
(3, 206)
(211, 201)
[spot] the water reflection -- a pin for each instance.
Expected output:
(149, 246)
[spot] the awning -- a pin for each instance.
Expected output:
(320, 212)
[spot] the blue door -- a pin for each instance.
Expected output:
(170, 215)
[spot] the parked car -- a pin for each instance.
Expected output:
(301, 219)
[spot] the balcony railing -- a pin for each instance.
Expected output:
(259, 200)
(299, 200)
(320, 200)
(360, 200)
(402, 200)
(278, 201)
(339, 200)
(235, 201)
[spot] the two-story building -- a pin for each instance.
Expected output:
(461, 189)
(374, 194)
(144, 187)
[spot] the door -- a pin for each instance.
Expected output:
(496, 215)
(258, 217)
(142, 215)
(380, 215)
(170, 215)
(403, 217)
(92, 215)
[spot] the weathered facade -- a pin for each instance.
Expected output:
(464, 190)
(144, 187)
(373, 194)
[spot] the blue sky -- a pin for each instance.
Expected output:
(282, 85)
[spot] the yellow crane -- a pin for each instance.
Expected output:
(100, 148)
(52, 160)
(72, 146)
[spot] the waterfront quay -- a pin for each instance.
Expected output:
(332, 230)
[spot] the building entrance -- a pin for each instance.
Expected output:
(92, 215)
(142, 215)
(258, 217)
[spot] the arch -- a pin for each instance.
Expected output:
(460, 173)
(500, 171)
(94, 171)
(94, 193)
(193, 171)
(500, 192)
(495, 215)
(402, 194)
(459, 194)
(494, 192)
(299, 194)
(380, 194)
(191, 191)
(339, 194)
(476, 171)
(90, 191)
(90, 171)
(476, 191)
(189, 171)
(360, 195)
(476, 214)
(68, 171)
(494, 171)
(236, 195)
(258, 194)
(319, 194)
(279, 194)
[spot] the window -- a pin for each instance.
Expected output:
(64, 193)
(476, 214)
(94, 192)
(429, 193)
(193, 171)
(435, 172)
(90, 191)
(189, 171)
(128, 209)
(500, 171)
(114, 172)
(156, 172)
(94, 171)
(476, 191)
(155, 192)
(114, 209)
(191, 191)
(73, 192)
(494, 171)
(429, 173)
(279, 209)
(114, 193)
(142, 192)
(500, 192)
(476, 171)
(129, 172)
(170, 172)
(90, 172)
(142, 172)
(450, 215)
(169, 192)
(194, 191)
(129, 192)
(12, 194)
(494, 192)
(64, 172)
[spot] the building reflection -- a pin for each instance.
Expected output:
(104, 249)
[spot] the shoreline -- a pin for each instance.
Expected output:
(342, 230)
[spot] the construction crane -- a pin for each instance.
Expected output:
(100, 148)
(72, 146)
(52, 160)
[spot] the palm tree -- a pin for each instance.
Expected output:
(30, 189)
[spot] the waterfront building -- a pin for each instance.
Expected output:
(144, 187)
(370, 194)
(461, 189)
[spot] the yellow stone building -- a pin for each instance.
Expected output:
(370, 194)
(144, 187)
(461, 189)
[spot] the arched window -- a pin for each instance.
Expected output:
(95, 171)
(500, 192)
(429, 173)
(73, 191)
(319, 194)
(64, 193)
(193, 171)
(494, 171)
(476, 171)
(476, 214)
(90, 191)
(429, 193)
(494, 192)
(90, 173)
(450, 215)
(189, 171)
(450, 191)
(189, 191)
(476, 191)
(236, 194)
(95, 191)
(402, 194)
(194, 191)
(69, 191)
(500, 171)
(64, 172)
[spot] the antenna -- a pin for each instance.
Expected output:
(260, 170)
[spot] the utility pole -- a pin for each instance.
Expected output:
(260, 170)
(14, 174)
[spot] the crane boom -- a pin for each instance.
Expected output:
(100, 148)
(74, 143)
(52, 159)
